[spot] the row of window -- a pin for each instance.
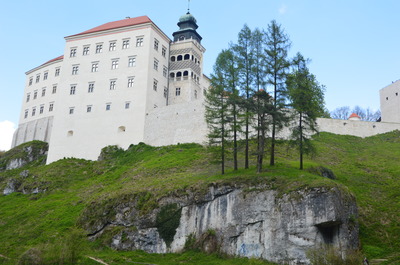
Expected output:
(41, 110)
(113, 46)
(185, 57)
(184, 75)
(89, 108)
(45, 76)
(387, 98)
(35, 93)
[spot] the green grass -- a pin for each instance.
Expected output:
(79, 192)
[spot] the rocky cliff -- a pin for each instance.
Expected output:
(250, 222)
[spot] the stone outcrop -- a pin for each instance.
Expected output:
(23, 154)
(249, 222)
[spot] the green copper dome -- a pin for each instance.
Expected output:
(187, 17)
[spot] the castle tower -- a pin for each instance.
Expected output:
(186, 63)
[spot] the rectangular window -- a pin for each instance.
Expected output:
(113, 45)
(41, 109)
(112, 84)
(155, 65)
(72, 90)
(54, 89)
(130, 81)
(91, 88)
(71, 110)
(108, 106)
(127, 105)
(99, 48)
(86, 50)
(195, 94)
(46, 74)
(35, 94)
(114, 64)
(156, 44)
(33, 111)
(178, 91)
(30, 81)
(37, 78)
(155, 84)
(89, 108)
(57, 73)
(164, 51)
(165, 71)
(139, 42)
(165, 92)
(75, 69)
(131, 61)
(43, 92)
(26, 114)
(125, 44)
(28, 97)
(51, 106)
(72, 52)
(95, 67)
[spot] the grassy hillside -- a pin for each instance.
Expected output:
(47, 224)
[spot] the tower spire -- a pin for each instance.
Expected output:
(188, 6)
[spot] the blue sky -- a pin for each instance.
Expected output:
(353, 44)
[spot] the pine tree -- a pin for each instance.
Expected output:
(245, 58)
(277, 65)
(307, 99)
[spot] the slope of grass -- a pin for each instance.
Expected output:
(366, 167)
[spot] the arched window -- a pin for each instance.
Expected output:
(195, 60)
(178, 76)
(172, 58)
(179, 57)
(172, 75)
(181, 38)
(186, 73)
(187, 56)
(192, 57)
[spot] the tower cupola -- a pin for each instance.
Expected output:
(187, 28)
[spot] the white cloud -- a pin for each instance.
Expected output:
(283, 9)
(7, 129)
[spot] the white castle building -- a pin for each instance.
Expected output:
(127, 82)
(120, 83)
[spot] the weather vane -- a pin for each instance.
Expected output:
(188, 6)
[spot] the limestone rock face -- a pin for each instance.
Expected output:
(256, 222)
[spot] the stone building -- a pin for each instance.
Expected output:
(120, 83)
(390, 103)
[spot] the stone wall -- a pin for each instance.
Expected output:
(39, 129)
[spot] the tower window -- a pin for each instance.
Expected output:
(156, 44)
(131, 61)
(155, 84)
(173, 58)
(164, 51)
(113, 45)
(99, 48)
(179, 58)
(178, 91)
(187, 57)
(125, 44)
(85, 50)
(139, 42)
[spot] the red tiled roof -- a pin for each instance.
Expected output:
(55, 59)
(354, 115)
(117, 24)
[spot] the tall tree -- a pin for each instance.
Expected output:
(258, 69)
(245, 56)
(307, 99)
(228, 65)
(277, 65)
(264, 109)
(216, 112)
